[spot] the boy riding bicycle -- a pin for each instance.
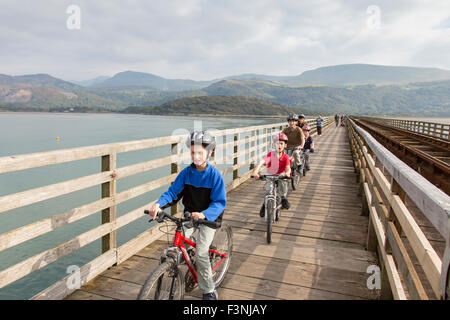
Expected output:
(296, 139)
(308, 146)
(301, 120)
(276, 162)
(203, 191)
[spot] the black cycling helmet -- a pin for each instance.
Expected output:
(301, 115)
(292, 116)
(204, 138)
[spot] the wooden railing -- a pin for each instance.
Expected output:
(256, 138)
(385, 182)
(432, 129)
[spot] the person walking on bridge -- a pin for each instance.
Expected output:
(319, 123)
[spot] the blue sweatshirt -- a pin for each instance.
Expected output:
(202, 191)
(319, 122)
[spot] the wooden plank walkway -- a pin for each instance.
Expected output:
(317, 249)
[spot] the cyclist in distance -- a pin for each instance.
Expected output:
(202, 188)
(301, 120)
(308, 146)
(296, 138)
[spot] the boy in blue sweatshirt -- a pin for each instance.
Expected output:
(203, 191)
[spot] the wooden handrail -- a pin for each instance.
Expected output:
(384, 202)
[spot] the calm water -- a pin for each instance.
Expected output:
(36, 132)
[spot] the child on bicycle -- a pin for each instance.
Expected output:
(308, 146)
(296, 138)
(301, 120)
(203, 191)
(276, 162)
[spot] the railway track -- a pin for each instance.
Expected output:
(430, 156)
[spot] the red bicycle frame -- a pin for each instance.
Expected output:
(179, 241)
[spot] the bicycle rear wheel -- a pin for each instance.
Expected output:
(165, 283)
(270, 211)
(222, 243)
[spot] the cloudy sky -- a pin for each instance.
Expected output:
(207, 39)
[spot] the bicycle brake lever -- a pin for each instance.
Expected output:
(148, 212)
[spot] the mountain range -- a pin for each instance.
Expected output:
(354, 88)
(348, 74)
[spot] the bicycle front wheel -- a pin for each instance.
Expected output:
(295, 179)
(220, 253)
(165, 283)
(270, 211)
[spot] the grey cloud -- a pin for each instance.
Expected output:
(206, 39)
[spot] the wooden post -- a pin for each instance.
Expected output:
(386, 291)
(252, 154)
(444, 285)
(109, 190)
(362, 179)
(396, 189)
(269, 143)
(265, 133)
(174, 168)
(371, 241)
(235, 158)
(365, 205)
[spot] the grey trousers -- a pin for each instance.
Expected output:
(296, 154)
(282, 186)
(204, 240)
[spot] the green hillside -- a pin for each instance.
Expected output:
(217, 105)
(430, 98)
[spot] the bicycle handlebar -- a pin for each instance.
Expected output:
(276, 176)
(187, 217)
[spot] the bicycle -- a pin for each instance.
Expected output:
(305, 154)
(297, 171)
(272, 202)
(156, 288)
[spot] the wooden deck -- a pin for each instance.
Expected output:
(317, 249)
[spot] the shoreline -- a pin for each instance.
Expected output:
(162, 115)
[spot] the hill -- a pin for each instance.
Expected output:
(38, 80)
(216, 105)
(430, 98)
(351, 74)
(141, 79)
